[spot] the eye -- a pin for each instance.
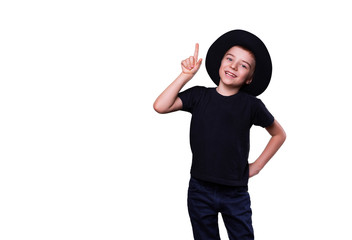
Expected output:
(229, 59)
(244, 66)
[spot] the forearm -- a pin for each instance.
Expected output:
(167, 98)
(278, 137)
(272, 147)
(168, 101)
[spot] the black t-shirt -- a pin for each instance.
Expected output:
(219, 133)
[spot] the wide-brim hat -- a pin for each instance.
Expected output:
(263, 68)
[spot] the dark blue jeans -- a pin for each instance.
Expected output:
(206, 200)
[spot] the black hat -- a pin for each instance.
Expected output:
(263, 69)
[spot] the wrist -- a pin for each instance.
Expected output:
(258, 166)
(254, 169)
(189, 75)
(186, 76)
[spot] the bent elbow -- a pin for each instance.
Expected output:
(158, 109)
(283, 136)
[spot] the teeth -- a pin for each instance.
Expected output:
(230, 74)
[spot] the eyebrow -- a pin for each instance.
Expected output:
(241, 59)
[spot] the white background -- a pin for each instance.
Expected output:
(83, 155)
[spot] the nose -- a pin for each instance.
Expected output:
(234, 66)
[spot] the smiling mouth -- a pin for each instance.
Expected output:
(230, 74)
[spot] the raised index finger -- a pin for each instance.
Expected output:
(196, 52)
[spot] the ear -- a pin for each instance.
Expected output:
(248, 81)
(250, 78)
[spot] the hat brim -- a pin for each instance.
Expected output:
(263, 70)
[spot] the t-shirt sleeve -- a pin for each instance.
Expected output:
(262, 116)
(190, 98)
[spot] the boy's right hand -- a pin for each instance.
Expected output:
(191, 65)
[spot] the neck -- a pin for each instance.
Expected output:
(226, 90)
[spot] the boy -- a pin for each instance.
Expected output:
(240, 65)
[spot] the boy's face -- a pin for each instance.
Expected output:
(237, 67)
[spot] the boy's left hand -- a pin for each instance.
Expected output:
(253, 170)
(278, 137)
